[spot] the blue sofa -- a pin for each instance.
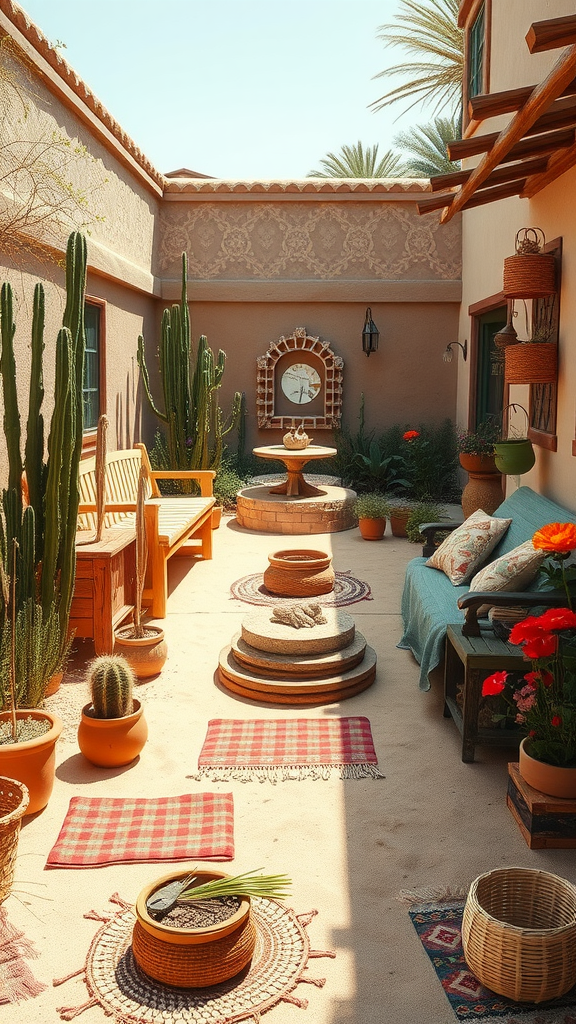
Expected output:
(430, 602)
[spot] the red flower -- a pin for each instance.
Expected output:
(411, 434)
(557, 618)
(533, 678)
(494, 684)
(556, 721)
(543, 646)
(532, 733)
(559, 537)
(537, 642)
(525, 630)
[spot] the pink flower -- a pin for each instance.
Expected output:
(520, 719)
(494, 684)
(525, 698)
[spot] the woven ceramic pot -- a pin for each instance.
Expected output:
(192, 957)
(32, 762)
(547, 778)
(14, 799)
(112, 742)
(146, 656)
(299, 573)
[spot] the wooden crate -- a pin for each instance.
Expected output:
(104, 587)
(544, 821)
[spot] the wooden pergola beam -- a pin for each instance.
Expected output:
(432, 203)
(463, 148)
(505, 172)
(558, 163)
(553, 85)
(492, 104)
(513, 187)
(548, 35)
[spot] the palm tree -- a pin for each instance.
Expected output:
(355, 162)
(425, 145)
(428, 31)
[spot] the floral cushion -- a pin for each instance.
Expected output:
(463, 551)
(513, 571)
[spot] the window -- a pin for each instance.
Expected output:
(476, 54)
(94, 391)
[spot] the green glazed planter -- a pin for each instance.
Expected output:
(514, 457)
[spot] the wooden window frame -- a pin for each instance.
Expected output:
(475, 311)
(543, 438)
(470, 12)
(89, 436)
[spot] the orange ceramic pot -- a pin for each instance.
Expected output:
(372, 529)
(192, 957)
(147, 656)
(547, 778)
(216, 516)
(54, 684)
(32, 762)
(299, 573)
(112, 742)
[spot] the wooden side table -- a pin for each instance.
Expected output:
(469, 659)
(104, 587)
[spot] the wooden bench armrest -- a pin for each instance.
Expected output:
(204, 477)
(429, 531)
(471, 602)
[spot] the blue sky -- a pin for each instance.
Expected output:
(233, 88)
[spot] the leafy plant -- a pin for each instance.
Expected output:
(226, 486)
(481, 440)
(423, 512)
(247, 884)
(371, 506)
(379, 471)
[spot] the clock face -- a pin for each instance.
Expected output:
(301, 383)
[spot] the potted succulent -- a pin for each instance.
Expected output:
(112, 730)
(196, 930)
(371, 510)
(142, 645)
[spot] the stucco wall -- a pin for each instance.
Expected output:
(488, 235)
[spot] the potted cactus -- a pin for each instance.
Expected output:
(112, 730)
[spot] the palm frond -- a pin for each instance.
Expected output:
(357, 162)
(425, 146)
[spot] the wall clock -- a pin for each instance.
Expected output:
(301, 383)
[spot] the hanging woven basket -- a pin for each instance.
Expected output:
(530, 273)
(531, 363)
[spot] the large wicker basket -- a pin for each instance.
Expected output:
(14, 799)
(531, 363)
(519, 933)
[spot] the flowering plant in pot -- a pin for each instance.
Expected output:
(112, 729)
(371, 510)
(476, 447)
(546, 702)
(143, 645)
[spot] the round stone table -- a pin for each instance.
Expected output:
(295, 460)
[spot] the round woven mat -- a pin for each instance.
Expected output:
(126, 993)
(347, 590)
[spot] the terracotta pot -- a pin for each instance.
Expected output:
(147, 656)
(192, 957)
(372, 529)
(299, 573)
(32, 762)
(216, 516)
(484, 487)
(398, 520)
(112, 742)
(54, 684)
(478, 463)
(547, 778)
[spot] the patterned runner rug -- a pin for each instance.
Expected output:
(105, 830)
(347, 590)
(277, 750)
(438, 926)
(128, 996)
(16, 979)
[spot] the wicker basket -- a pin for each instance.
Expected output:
(529, 276)
(14, 799)
(531, 363)
(299, 573)
(519, 933)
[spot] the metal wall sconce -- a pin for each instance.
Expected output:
(370, 334)
(448, 354)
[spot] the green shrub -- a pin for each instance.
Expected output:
(371, 506)
(423, 512)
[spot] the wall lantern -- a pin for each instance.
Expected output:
(370, 334)
(448, 354)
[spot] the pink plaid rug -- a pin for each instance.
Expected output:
(287, 748)
(103, 830)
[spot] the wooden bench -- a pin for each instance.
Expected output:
(178, 523)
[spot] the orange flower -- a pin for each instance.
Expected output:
(410, 435)
(560, 537)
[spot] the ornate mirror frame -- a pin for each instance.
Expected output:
(299, 341)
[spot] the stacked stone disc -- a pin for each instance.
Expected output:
(275, 663)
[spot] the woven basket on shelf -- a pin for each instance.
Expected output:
(519, 933)
(530, 273)
(531, 363)
(13, 803)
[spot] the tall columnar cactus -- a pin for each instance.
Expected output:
(111, 680)
(195, 423)
(45, 530)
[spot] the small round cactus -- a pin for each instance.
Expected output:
(111, 680)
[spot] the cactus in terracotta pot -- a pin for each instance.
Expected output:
(111, 682)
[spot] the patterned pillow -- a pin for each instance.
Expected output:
(512, 571)
(461, 554)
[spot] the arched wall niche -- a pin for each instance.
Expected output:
(299, 344)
